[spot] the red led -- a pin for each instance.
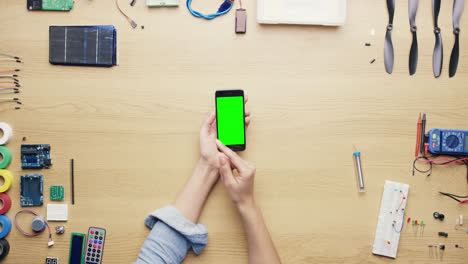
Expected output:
(404, 198)
(409, 219)
(388, 242)
(416, 222)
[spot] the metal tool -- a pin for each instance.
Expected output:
(457, 11)
(388, 46)
(438, 56)
(357, 159)
(413, 57)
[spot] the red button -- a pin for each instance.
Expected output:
(92, 232)
(433, 145)
(99, 247)
(94, 246)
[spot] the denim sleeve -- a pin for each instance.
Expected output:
(171, 237)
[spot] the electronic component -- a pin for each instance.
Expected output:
(438, 216)
(95, 245)
(443, 234)
(389, 225)
(31, 190)
(458, 246)
(37, 223)
(158, 3)
(51, 260)
(448, 141)
(57, 212)
(83, 45)
(72, 176)
(35, 156)
(241, 20)
(77, 246)
(57, 192)
(131, 21)
(59, 230)
(54, 5)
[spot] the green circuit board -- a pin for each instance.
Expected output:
(57, 192)
(62, 5)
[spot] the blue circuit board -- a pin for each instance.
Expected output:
(36, 156)
(32, 190)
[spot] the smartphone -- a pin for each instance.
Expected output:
(230, 118)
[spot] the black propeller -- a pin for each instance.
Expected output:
(437, 58)
(457, 11)
(388, 46)
(413, 57)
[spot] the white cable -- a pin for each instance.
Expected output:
(7, 133)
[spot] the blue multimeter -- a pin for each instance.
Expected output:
(448, 141)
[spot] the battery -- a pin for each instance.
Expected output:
(241, 20)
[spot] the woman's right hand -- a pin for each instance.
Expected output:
(240, 188)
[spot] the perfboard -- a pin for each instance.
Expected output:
(31, 190)
(35, 156)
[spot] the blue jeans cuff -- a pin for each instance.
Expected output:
(196, 234)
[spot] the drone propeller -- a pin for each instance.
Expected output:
(388, 46)
(413, 57)
(457, 11)
(437, 58)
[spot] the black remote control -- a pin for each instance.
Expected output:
(95, 245)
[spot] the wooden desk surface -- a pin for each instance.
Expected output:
(133, 129)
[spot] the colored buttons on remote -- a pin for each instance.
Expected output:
(96, 238)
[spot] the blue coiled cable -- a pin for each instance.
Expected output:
(223, 9)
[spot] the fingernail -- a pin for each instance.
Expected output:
(217, 141)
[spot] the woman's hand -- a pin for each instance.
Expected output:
(240, 188)
(208, 135)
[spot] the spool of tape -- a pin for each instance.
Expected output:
(4, 248)
(6, 225)
(6, 200)
(6, 174)
(6, 157)
(7, 133)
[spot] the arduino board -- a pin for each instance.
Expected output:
(32, 190)
(36, 156)
(53, 5)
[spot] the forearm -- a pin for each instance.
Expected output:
(191, 199)
(261, 247)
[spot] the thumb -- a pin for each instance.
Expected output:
(225, 170)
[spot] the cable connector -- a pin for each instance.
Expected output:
(50, 243)
(226, 5)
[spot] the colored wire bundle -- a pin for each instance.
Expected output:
(131, 21)
(33, 234)
(433, 160)
(223, 9)
(455, 197)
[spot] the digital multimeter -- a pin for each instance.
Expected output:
(448, 141)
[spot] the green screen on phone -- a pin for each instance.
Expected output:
(230, 116)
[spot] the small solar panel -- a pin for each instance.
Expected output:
(83, 45)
